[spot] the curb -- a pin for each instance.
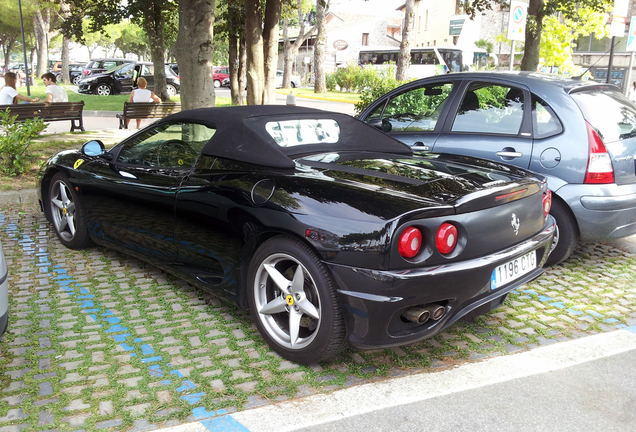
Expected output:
(20, 197)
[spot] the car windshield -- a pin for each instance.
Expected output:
(609, 112)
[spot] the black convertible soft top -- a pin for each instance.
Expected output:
(241, 135)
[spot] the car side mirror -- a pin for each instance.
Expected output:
(376, 123)
(93, 148)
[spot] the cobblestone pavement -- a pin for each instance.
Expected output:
(101, 341)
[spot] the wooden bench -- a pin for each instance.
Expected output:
(57, 111)
(144, 110)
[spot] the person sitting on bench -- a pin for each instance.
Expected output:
(9, 95)
(141, 94)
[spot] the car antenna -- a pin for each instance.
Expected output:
(579, 77)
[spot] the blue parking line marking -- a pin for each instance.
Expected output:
(225, 423)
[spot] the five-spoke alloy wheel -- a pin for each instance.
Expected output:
(66, 213)
(293, 301)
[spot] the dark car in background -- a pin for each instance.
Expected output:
(328, 230)
(122, 79)
(580, 135)
(76, 72)
(97, 66)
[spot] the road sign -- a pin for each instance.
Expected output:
(517, 20)
(631, 37)
(619, 18)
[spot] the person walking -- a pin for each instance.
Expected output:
(632, 92)
(54, 93)
(142, 94)
(9, 95)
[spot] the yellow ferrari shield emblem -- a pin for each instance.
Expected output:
(290, 300)
(78, 163)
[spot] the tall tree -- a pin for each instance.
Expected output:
(194, 52)
(45, 21)
(537, 10)
(231, 24)
(254, 48)
(290, 49)
(404, 58)
(270, 46)
(320, 83)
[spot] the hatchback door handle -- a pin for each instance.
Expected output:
(509, 154)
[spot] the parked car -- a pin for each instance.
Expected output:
(97, 66)
(219, 73)
(580, 135)
(76, 72)
(328, 230)
(295, 80)
(4, 293)
(174, 67)
(122, 79)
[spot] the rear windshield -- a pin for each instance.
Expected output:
(609, 112)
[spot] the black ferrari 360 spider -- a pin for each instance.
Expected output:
(329, 231)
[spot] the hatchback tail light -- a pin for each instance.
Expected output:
(547, 203)
(446, 238)
(410, 242)
(599, 165)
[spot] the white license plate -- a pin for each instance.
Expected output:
(514, 269)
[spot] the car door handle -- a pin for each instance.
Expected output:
(420, 148)
(509, 154)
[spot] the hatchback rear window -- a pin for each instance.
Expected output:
(609, 112)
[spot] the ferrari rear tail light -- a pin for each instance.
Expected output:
(410, 242)
(446, 238)
(547, 202)
(599, 164)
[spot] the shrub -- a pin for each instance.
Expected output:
(377, 86)
(15, 140)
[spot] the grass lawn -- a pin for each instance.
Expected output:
(42, 150)
(101, 103)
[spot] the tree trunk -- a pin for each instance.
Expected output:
(42, 23)
(404, 59)
(153, 24)
(270, 49)
(291, 49)
(242, 82)
(530, 60)
(320, 85)
(194, 53)
(65, 59)
(234, 69)
(254, 48)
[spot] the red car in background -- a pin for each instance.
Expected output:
(219, 73)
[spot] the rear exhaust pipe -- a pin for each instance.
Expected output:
(417, 314)
(435, 311)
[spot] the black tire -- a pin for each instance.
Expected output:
(171, 90)
(103, 90)
(311, 311)
(67, 214)
(293, 85)
(567, 233)
(76, 80)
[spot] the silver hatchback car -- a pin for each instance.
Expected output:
(580, 135)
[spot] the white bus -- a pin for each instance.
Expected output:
(426, 61)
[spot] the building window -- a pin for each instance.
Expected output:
(365, 38)
(426, 21)
(419, 24)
